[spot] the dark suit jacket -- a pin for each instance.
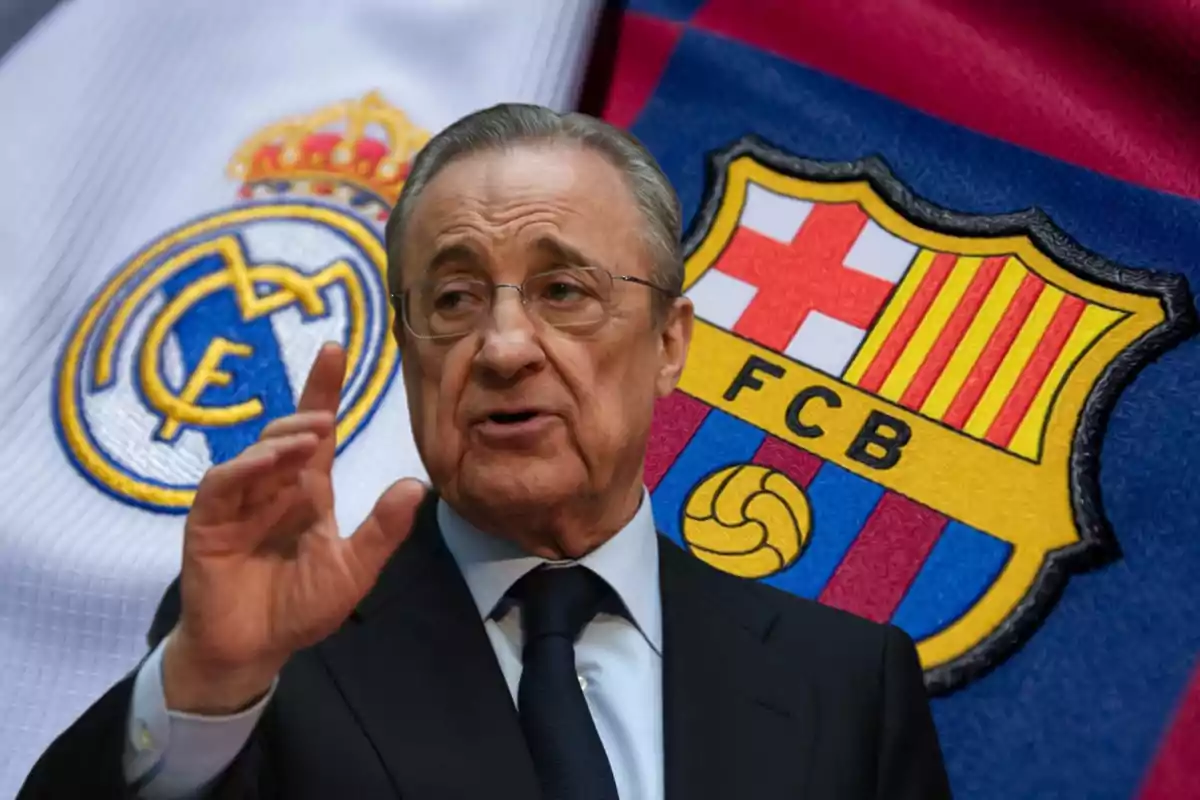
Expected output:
(765, 696)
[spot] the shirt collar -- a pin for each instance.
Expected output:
(628, 562)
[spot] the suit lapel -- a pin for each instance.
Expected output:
(738, 721)
(416, 667)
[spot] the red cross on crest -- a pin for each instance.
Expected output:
(806, 274)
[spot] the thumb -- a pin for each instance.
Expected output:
(385, 528)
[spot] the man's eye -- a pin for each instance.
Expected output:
(563, 292)
(455, 299)
(447, 300)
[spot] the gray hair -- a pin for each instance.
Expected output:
(509, 124)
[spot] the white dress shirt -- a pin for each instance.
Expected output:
(170, 755)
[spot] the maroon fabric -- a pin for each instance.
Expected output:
(1112, 85)
(645, 43)
(1173, 776)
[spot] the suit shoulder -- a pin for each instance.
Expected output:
(165, 616)
(827, 619)
(822, 632)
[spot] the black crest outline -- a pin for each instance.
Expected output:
(1098, 544)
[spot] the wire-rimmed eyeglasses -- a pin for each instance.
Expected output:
(568, 298)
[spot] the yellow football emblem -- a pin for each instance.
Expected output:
(748, 520)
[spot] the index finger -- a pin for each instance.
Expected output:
(223, 487)
(323, 389)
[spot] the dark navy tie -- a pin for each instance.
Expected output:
(557, 602)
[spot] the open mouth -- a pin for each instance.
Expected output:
(512, 417)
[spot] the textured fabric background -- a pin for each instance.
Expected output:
(1089, 112)
(120, 117)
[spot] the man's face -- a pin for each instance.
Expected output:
(517, 415)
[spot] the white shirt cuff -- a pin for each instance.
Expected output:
(170, 755)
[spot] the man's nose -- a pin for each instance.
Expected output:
(510, 344)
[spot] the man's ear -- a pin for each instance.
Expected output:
(675, 339)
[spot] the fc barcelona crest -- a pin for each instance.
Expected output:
(895, 409)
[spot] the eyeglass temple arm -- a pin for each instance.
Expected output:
(644, 282)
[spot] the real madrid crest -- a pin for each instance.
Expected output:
(206, 334)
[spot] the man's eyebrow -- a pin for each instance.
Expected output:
(457, 253)
(562, 252)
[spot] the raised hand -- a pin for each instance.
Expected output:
(265, 572)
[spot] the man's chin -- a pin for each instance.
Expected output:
(519, 481)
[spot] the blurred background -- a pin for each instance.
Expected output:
(974, 225)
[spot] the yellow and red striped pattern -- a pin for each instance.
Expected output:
(979, 343)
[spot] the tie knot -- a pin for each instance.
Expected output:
(559, 601)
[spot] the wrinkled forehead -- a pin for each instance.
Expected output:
(530, 202)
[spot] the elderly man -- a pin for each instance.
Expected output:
(520, 630)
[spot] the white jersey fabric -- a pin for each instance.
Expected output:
(192, 202)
